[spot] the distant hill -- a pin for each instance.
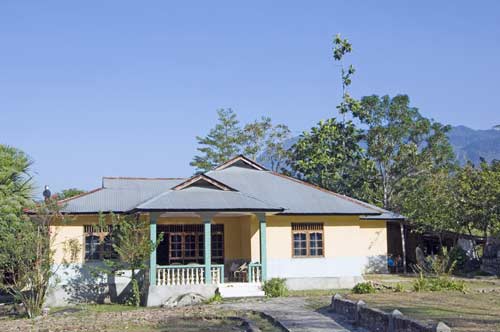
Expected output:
(471, 144)
(468, 144)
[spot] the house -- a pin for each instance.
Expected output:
(229, 229)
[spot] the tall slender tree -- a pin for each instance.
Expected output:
(330, 154)
(222, 142)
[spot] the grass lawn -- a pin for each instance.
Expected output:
(476, 310)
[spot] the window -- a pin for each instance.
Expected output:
(99, 243)
(307, 240)
(186, 243)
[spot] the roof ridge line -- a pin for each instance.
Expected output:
(80, 195)
(138, 178)
(258, 199)
(152, 198)
(347, 198)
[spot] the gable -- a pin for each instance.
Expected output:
(241, 161)
(203, 181)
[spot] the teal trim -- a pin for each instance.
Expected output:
(249, 274)
(152, 256)
(192, 266)
(221, 266)
(263, 246)
(208, 251)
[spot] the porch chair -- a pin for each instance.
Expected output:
(241, 272)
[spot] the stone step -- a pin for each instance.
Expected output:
(241, 289)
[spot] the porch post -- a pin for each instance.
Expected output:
(403, 245)
(153, 217)
(207, 222)
(263, 246)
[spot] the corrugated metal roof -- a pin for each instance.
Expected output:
(255, 190)
(206, 199)
(295, 196)
(118, 195)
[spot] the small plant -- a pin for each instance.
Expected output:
(364, 288)
(275, 287)
(420, 284)
(399, 288)
(134, 298)
(214, 299)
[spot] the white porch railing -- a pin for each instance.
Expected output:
(254, 272)
(173, 275)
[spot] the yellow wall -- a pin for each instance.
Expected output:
(343, 235)
(71, 229)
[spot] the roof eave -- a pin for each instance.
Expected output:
(210, 210)
(325, 214)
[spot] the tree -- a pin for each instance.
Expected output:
(68, 193)
(16, 187)
(254, 137)
(478, 194)
(26, 255)
(432, 205)
(227, 139)
(404, 147)
(330, 156)
(348, 105)
(276, 153)
(222, 142)
(130, 238)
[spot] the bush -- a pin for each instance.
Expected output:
(399, 288)
(275, 287)
(436, 284)
(420, 284)
(363, 288)
(215, 299)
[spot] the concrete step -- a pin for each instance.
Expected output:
(241, 289)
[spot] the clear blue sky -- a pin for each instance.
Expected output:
(122, 88)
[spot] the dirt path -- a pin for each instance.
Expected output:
(294, 314)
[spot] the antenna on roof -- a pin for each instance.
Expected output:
(46, 193)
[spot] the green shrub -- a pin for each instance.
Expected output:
(439, 284)
(275, 287)
(436, 284)
(420, 284)
(215, 299)
(399, 288)
(363, 288)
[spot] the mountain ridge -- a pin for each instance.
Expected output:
(468, 144)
